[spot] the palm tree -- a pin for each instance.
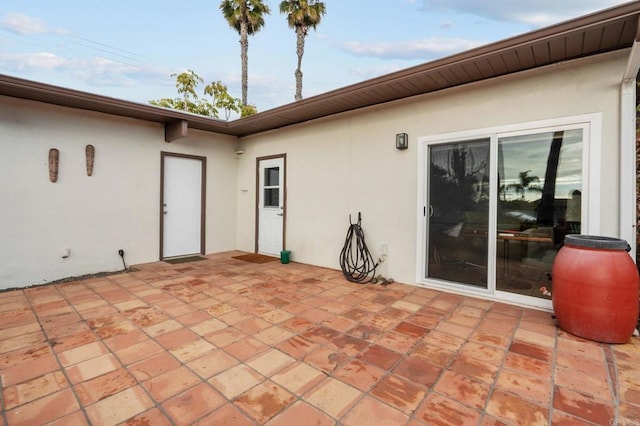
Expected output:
(302, 15)
(247, 18)
(525, 184)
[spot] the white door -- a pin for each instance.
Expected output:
(271, 209)
(182, 205)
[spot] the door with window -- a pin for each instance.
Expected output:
(497, 208)
(271, 205)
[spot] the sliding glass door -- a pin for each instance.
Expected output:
(458, 212)
(497, 208)
(539, 202)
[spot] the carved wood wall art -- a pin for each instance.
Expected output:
(54, 159)
(90, 153)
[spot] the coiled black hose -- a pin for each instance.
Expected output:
(356, 261)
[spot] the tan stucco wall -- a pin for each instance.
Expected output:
(347, 164)
(336, 167)
(117, 207)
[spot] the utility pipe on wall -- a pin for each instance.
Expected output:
(627, 177)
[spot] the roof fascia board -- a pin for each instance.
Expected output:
(543, 34)
(13, 86)
(427, 95)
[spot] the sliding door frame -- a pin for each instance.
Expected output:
(591, 184)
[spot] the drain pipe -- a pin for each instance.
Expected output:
(627, 179)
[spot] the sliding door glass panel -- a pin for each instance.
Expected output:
(539, 202)
(458, 212)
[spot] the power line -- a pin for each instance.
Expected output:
(106, 51)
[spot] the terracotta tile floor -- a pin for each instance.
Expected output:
(227, 342)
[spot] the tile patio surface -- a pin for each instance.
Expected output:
(228, 342)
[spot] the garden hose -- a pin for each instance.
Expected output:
(356, 261)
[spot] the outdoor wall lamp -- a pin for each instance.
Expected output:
(402, 141)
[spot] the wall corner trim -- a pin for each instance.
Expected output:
(175, 130)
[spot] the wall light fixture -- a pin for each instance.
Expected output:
(402, 141)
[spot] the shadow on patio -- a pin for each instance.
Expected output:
(227, 342)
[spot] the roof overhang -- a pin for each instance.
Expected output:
(605, 31)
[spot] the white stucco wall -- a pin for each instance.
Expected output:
(336, 166)
(349, 164)
(116, 208)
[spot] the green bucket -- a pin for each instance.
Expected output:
(284, 256)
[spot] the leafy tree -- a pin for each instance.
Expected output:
(221, 98)
(187, 83)
(166, 103)
(247, 18)
(302, 15)
(247, 110)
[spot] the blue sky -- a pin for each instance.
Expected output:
(128, 49)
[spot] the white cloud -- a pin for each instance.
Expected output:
(265, 90)
(414, 49)
(19, 23)
(533, 12)
(447, 24)
(95, 71)
(31, 61)
(365, 73)
(103, 72)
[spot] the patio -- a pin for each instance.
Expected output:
(228, 342)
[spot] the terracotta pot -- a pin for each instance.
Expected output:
(595, 288)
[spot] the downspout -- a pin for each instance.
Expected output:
(628, 147)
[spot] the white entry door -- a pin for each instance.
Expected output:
(182, 215)
(271, 208)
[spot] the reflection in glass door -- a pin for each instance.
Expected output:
(539, 202)
(458, 212)
(498, 206)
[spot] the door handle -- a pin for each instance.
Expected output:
(279, 214)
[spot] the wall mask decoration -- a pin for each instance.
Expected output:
(54, 159)
(90, 153)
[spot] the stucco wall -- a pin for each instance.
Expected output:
(349, 164)
(116, 208)
(336, 167)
